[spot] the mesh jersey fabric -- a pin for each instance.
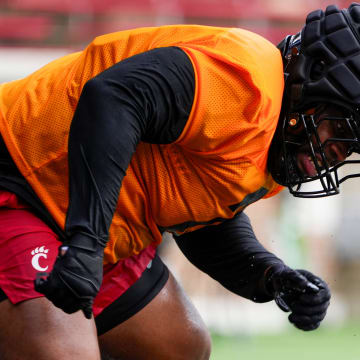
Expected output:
(215, 168)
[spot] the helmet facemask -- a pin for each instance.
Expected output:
(301, 136)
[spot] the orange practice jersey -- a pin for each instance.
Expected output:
(213, 170)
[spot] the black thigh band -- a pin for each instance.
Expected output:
(135, 298)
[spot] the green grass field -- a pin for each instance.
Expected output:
(323, 344)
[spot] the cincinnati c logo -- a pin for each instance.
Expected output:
(37, 254)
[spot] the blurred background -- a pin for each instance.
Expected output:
(320, 235)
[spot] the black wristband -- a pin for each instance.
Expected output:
(86, 242)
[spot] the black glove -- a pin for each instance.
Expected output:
(75, 279)
(305, 295)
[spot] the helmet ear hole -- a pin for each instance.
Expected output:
(317, 70)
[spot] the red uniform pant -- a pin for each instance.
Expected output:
(29, 246)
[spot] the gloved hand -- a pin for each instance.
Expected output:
(75, 279)
(300, 292)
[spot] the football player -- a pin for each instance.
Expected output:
(203, 123)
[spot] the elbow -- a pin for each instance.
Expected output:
(94, 88)
(95, 102)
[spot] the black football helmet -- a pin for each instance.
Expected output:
(321, 67)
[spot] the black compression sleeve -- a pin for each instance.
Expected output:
(147, 97)
(231, 254)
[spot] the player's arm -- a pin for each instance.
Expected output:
(147, 97)
(231, 254)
